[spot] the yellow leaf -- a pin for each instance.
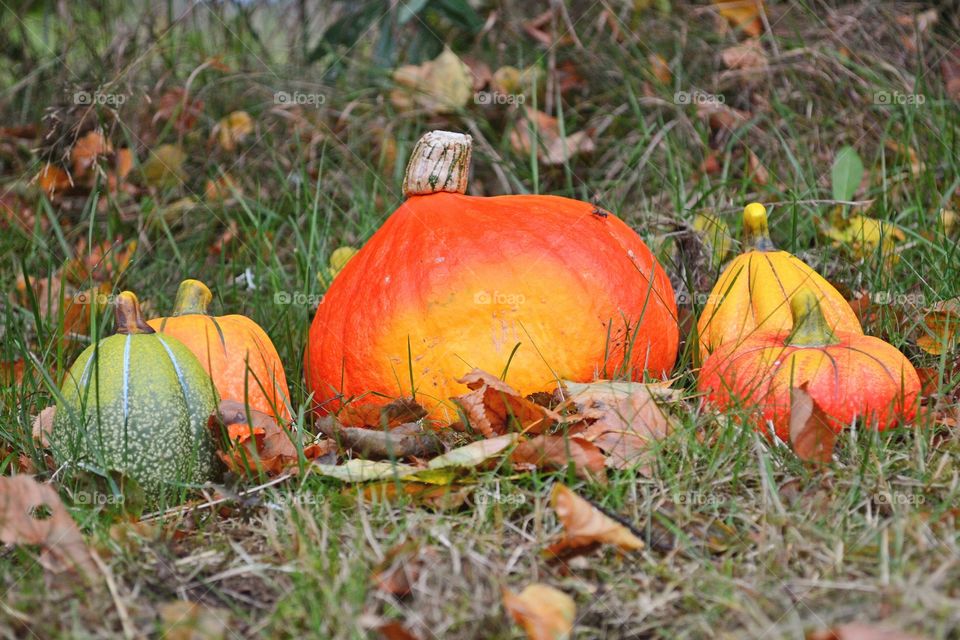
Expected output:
(715, 234)
(742, 14)
(942, 323)
(164, 167)
(441, 85)
(339, 259)
(586, 525)
(544, 613)
(864, 235)
(232, 129)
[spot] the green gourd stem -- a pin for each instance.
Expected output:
(127, 315)
(756, 233)
(192, 297)
(810, 328)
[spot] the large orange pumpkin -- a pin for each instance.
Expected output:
(542, 288)
(753, 292)
(234, 350)
(850, 375)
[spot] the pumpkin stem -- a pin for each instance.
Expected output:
(192, 297)
(126, 313)
(810, 328)
(756, 234)
(440, 162)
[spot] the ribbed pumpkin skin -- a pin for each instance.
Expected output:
(465, 279)
(753, 293)
(140, 407)
(225, 346)
(862, 376)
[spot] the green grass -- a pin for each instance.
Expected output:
(743, 539)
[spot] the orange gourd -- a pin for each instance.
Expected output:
(542, 287)
(850, 375)
(753, 292)
(234, 350)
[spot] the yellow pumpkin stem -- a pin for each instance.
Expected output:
(192, 297)
(756, 234)
(126, 313)
(810, 328)
(440, 162)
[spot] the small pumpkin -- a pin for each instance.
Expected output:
(753, 292)
(233, 349)
(137, 403)
(850, 375)
(541, 287)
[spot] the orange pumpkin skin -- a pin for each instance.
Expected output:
(451, 282)
(857, 376)
(235, 351)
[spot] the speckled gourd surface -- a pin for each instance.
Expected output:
(137, 404)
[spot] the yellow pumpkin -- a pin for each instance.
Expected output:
(753, 293)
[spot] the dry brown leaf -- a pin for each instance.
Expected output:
(23, 501)
(233, 129)
(860, 631)
(183, 620)
(660, 68)
(441, 85)
(409, 439)
(395, 630)
(176, 106)
(586, 525)
(742, 14)
(950, 67)
(53, 180)
(164, 166)
(755, 169)
(552, 148)
(544, 613)
(626, 417)
(493, 406)
(390, 415)
(221, 189)
(720, 117)
(747, 55)
(247, 447)
(85, 151)
(43, 425)
(942, 327)
(810, 433)
(557, 451)
(104, 262)
(400, 568)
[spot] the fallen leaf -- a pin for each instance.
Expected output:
(410, 439)
(183, 620)
(164, 166)
(659, 68)
(258, 443)
(380, 416)
(401, 567)
(860, 631)
(221, 189)
(475, 453)
(85, 151)
(544, 613)
(749, 55)
(233, 129)
(441, 85)
(586, 525)
(557, 452)
(395, 630)
(941, 327)
(225, 239)
(742, 14)
(360, 470)
(104, 262)
(715, 235)
(950, 67)
(536, 127)
(864, 236)
(493, 406)
(177, 107)
(510, 81)
(339, 259)
(755, 169)
(43, 425)
(23, 502)
(810, 434)
(626, 418)
(53, 180)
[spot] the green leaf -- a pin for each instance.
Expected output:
(846, 174)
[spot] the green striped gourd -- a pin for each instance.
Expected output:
(137, 403)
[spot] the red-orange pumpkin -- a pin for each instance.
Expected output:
(850, 375)
(234, 350)
(542, 287)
